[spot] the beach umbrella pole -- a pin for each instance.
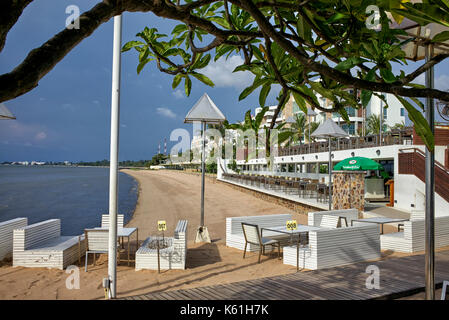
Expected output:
(113, 167)
(430, 191)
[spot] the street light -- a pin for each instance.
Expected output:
(204, 111)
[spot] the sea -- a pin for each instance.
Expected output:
(76, 195)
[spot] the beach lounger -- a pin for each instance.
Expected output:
(6, 235)
(41, 245)
(412, 239)
(335, 247)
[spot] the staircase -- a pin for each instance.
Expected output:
(412, 161)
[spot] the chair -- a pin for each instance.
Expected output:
(444, 290)
(328, 221)
(105, 220)
(252, 236)
(97, 241)
(415, 215)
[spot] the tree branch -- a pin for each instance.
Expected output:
(10, 11)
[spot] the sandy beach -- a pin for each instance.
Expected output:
(170, 196)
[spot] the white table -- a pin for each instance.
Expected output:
(379, 220)
(126, 233)
(301, 229)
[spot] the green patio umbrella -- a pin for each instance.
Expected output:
(358, 164)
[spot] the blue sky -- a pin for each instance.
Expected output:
(67, 117)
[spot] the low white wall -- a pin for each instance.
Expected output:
(410, 190)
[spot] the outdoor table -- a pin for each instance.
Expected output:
(126, 233)
(379, 220)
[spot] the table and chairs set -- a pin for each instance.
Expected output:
(303, 187)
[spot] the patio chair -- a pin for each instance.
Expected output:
(97, 241)
(328, 221)
(105, 220)
(415, 215)
(252, 236)
(444, 290)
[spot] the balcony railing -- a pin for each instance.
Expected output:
(402, 137)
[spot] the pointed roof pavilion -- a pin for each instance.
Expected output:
(5, 113)
(329, 129)
(205, 110)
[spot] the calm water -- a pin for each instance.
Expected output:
(77, 196)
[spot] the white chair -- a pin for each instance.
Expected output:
(97, 241)
(444, 290)
(415, 215)
(234, 232)
(252, 236)
(105, 220)
(330, 222)
(347, 215)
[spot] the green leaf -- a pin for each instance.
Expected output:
(131, 44)
(422, 128)
(187, 85)
(366, 97)
(349, 63)
(176, 80)
(441, 37)
(387, 75)
(203, 79)
(300, 101)
(264, 93)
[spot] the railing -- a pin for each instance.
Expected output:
(412, 161)
(395, 137)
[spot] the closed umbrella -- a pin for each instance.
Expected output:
(329, 129)
(204, 111)
(5, 114)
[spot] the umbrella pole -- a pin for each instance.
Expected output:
(430, 191)
(330, 175)
(202, 234)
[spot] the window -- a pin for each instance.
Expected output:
(385, 113)
(402, 112)
(349, 129)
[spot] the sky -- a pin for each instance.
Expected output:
(67, 117)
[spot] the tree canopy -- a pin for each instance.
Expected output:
(305, 46)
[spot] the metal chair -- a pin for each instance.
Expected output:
(252, 236)
(97, 241)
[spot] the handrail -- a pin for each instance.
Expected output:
(419, 151)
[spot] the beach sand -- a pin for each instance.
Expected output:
(170, 196)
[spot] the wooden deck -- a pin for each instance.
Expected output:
(398, 277)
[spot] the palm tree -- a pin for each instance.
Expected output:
(299, 126)
(398, 126)
(313, 126)
(373, 124)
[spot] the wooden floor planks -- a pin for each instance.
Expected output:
(398, 276)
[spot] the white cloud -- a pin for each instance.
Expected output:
(220, 72)
(41, 136)
(166, 112)
(442, 82)
(178, 94)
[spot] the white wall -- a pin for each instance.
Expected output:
(393, 110)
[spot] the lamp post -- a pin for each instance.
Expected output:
(310, 113)
(113, 167)
(204, 111)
